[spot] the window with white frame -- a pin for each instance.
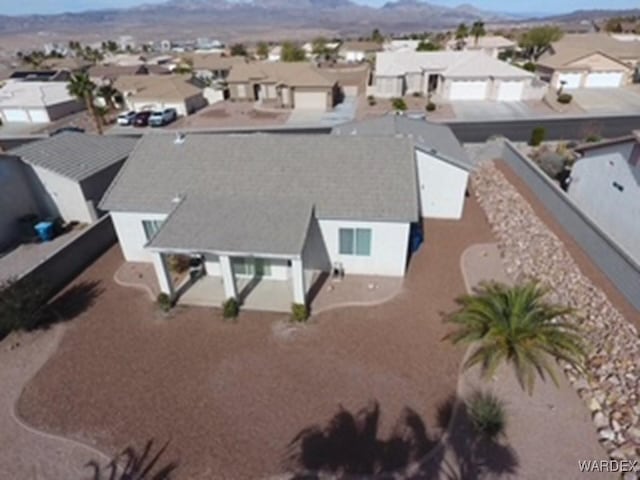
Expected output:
(354, 241)
(151, 227)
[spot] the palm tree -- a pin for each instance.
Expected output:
(516, 325)
(81, 87)
(107, 93)
(462, 32)
(477, 30)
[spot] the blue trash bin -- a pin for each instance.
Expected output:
(44, 231)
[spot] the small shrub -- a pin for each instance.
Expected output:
(529, 67)
(537, 136)
(417, 94)
(179, 263)
(299, 312)
(430, 107)
(371, 100)
(565, 98)
(487, 414)
(399, 104)
(22, 305)
(164, 302)
(230, 308)
(593, 138)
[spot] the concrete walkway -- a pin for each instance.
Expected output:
(27, 453)
(547, 432)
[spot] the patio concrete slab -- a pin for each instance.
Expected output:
(490, 110)
(607, 100)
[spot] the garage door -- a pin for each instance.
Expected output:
(39, 116)
(468, 90)
(604, 80)
(310, 100)
(15, 115)
(510, 91)
(571, 80)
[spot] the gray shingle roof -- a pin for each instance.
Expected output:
(427, 136)
(250, 225)
(76, 155)
(356, 178)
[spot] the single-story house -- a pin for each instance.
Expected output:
(40, 75)
(589, 61)
(453, 76)
(17, 199)
(330, 46)
(69, 172)
(157, 92)
(605, 185)
(213, 66)
(358, 51)
(71, 64)
(281, 208)
(442, 164)
(101, 74)
(492, 45)
(284, 85)
(400, 45)
(275, 53)
(36, 102)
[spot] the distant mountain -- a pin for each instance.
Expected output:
(581, 15)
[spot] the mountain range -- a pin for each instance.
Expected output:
(184, 18)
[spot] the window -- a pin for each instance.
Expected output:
(355, 241)
(151, 227)
(251, 267)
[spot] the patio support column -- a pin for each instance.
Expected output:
(297, 271)
(162, 273)
(228, 279)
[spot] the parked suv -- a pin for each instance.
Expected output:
(158, 119)
(126, 118)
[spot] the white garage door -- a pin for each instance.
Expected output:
(510, 90)
(468, 90)
(604, 80)
(15, 115)
(39, 116)
(310, 100)
(571, 80)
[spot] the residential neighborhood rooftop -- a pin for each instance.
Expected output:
(572, 47)
(33, 94)
(300, 74)
(343, 177)
(169, 87)
(75, 155)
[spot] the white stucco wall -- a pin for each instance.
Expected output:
(387, 87)
(592, 189)
(280, 269)
(442, 187)
(131, 234)
(389, 244)
(65, 195)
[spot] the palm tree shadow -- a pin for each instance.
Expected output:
(131, 464)
(72, 302)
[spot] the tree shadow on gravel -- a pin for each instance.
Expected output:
(74, 301)
(131, 464)
(349, 447)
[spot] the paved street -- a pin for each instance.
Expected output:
(608, 100)
(490, 110)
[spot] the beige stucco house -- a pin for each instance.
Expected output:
(589, 61)
(492, 45)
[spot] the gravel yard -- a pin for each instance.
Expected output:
(230, 397)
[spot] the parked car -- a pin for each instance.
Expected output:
(141, 119)
(126, 118)
(163, 117)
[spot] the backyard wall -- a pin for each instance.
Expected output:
(603, 250)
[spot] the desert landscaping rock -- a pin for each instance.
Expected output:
(610, 386)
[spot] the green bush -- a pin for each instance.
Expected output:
(23, 305)
(537, 136)
(565, 98)
(399, 104)
(416, 94)
(487, 414)
(299, 312)
(164, 302)
(529, 67)
(230, 308)
(593, 138)
(371, 100)
(430, 107)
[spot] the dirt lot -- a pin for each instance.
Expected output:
(228, 114)
(231, 397)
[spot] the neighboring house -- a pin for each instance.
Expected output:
(492, 45)
(71, 64)
(274, 53)
(40, 75)
(284, 85)
(330, 46)
(282, 208)
(17, 199)
(69, 172)
(605, 184)
(36, 102)
(157, 92)
(589, 61)
(358, 51)
(453, 76)
(442, 164)
(107, 74)
(401, 45)
(213, 67)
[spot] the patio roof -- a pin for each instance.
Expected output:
(226, 224)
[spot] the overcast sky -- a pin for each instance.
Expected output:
(15, 7)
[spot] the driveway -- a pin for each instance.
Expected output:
(233, 396)
(342, 113)
(608, 100)
(473, 110)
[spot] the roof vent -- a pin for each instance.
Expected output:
(180, 138)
